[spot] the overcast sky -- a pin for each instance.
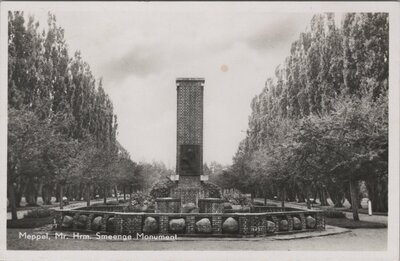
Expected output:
(140, 50)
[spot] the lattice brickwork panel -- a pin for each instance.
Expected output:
(189, 118)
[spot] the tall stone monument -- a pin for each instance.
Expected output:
(189, 142)
(190, 191)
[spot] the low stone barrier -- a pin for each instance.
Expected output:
(168, 205)
(191, 224)
(211, 205)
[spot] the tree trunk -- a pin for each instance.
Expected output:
(81, 192)
(87, 194)
(11, 191)
(46, 194)
(105, 194)
(30, 193)
(58, 193)
(308, 198)
(322, 197)
(265, 198)
(61, 196)
(18, 197)
(377, 195)
(338, 200)
(116, 192)
(354, 199)
(283, 197)
(123, 189)
(315, 196)
(300, 197)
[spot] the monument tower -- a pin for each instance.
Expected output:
(189, 142)
(190, 190)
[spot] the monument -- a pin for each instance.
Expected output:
(189, 142)
(187, 204)
(190, 188)
(189, 139)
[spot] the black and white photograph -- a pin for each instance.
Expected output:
(199, 130)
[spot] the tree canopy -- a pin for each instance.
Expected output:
(322, 121)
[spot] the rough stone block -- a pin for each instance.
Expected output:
(283, 225)
(203, 226)
(310, 222)
(82, 221)
(177, 225)
(96, 223)
(230, 225)
(270, 227)
(150, 225)
(67, 222)
(297, 223)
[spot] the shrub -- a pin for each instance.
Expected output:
(140, 202)
(162, 189)
(214, 191)
(140, 198)
(236, 198)
(39, 213)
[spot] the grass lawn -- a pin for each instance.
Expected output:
(349, 223)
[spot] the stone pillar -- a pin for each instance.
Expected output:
(190, 224)
(118, 224)
(89, 222)
(320, 221)
(104, 223)
(303, 221)
(75, 221)
(189, 149)
(163, 225)
(243, 226)
(136, 225)
(216, 222)
(264, 225)
(189, 144)
(290, 222)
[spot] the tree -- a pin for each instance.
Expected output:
(319, 128)
(45, 83)
(26, 138)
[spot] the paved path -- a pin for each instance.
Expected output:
(349, 215)
(356, 240)
(21, 213)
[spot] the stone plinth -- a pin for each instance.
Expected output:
(211, 205)
(168, 205)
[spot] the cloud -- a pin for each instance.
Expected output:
(139, 61)
(276, 33)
